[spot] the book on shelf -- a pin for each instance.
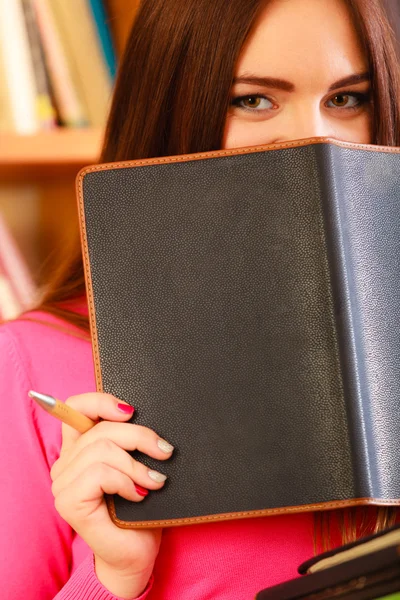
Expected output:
(6, 115)
(45, 110)
(104, 34)
(57, 64)
(18, 70)
(78, 33)
(70, 107)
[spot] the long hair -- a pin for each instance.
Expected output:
(172, 96)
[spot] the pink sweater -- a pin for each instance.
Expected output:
(42, 557)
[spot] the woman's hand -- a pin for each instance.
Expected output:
(95, 463)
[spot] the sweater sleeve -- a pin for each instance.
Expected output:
(84, 584)
(35, 542)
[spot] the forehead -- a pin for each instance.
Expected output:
(303, 39)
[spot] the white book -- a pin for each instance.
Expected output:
(18, 67)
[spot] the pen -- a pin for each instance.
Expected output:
(63, 412)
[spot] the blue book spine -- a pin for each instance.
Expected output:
(104, 33)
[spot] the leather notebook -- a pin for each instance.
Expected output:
(246, 302)
(375, 576)
(361, 547)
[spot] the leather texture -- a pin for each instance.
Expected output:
(246, 303)
(304, 567)
(370, 577)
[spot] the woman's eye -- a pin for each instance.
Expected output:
(348, 101)
(252, 103)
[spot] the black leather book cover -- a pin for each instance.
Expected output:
(247, 303)
(370, 577)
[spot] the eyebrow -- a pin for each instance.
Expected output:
(287, 86)
(350, 80)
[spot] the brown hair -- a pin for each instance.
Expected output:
(172, 96)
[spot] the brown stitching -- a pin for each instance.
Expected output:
(176, 159)
(235, 151)
(186, 158)
(248, 514)
(88, 279)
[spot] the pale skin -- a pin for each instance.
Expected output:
(310, 45)
(289, 86)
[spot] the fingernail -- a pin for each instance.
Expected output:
(156, 476)
(164, 446)
(141, 490)
(125, 408)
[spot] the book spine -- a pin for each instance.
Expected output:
(346, 322)
(104, 34)
(44, 107)
(368, 207)
(85, 57)
(70, 108)
(14, 45)
(6, 115)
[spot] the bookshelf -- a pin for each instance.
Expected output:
(37, 173)
(48, 154)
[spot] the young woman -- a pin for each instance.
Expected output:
(197, 75)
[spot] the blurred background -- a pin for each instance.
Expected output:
(58, 60)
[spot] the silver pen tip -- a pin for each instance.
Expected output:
(46, 401)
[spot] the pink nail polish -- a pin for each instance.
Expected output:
(140, 490)
(125, 408)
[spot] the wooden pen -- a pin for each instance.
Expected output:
(63, 412)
